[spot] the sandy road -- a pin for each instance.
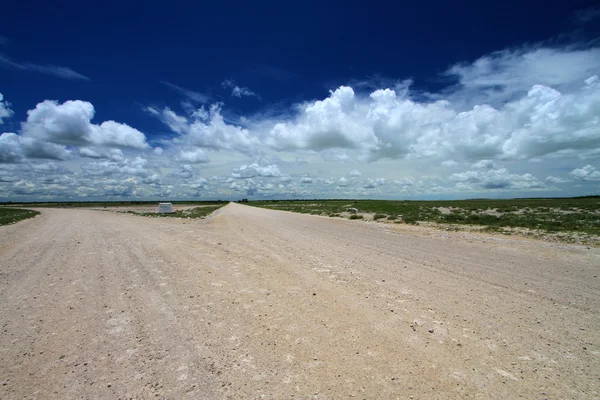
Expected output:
(255, 303)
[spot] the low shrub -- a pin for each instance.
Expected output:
(12, 215)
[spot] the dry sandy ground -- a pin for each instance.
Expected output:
(255, 303)
(145, 208)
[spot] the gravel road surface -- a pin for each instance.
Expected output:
(255, 303)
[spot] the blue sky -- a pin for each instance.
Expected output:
(186, 100)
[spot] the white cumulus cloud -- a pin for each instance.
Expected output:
(506, 75)
(514, 122)
(556, 179)
(100, 153)
(195, 156)
(15, 148)
(484, 164)
(587, 173)
(68, 124)
(206, 128)
(256, 169)
(124, 167)
(403, 182)
(499, 178)
(385, 125)
(343, 182)
(306, 179)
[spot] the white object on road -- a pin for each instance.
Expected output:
(165, 208)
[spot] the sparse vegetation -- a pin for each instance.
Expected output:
(192, 213)
(557, 215)
(12, 215)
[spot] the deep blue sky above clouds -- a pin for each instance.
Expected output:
(306, 99)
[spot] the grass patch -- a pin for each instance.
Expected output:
(355, 216)
(13, 215)
(192, 213)
(576, 215)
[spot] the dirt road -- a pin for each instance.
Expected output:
(255, 303)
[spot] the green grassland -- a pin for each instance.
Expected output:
(12, 215)
(192, 213)
(581, 215)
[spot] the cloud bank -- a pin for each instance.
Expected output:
(388, 125)
(518, 122)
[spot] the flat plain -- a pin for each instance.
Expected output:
(256, 303)
(570, 220)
